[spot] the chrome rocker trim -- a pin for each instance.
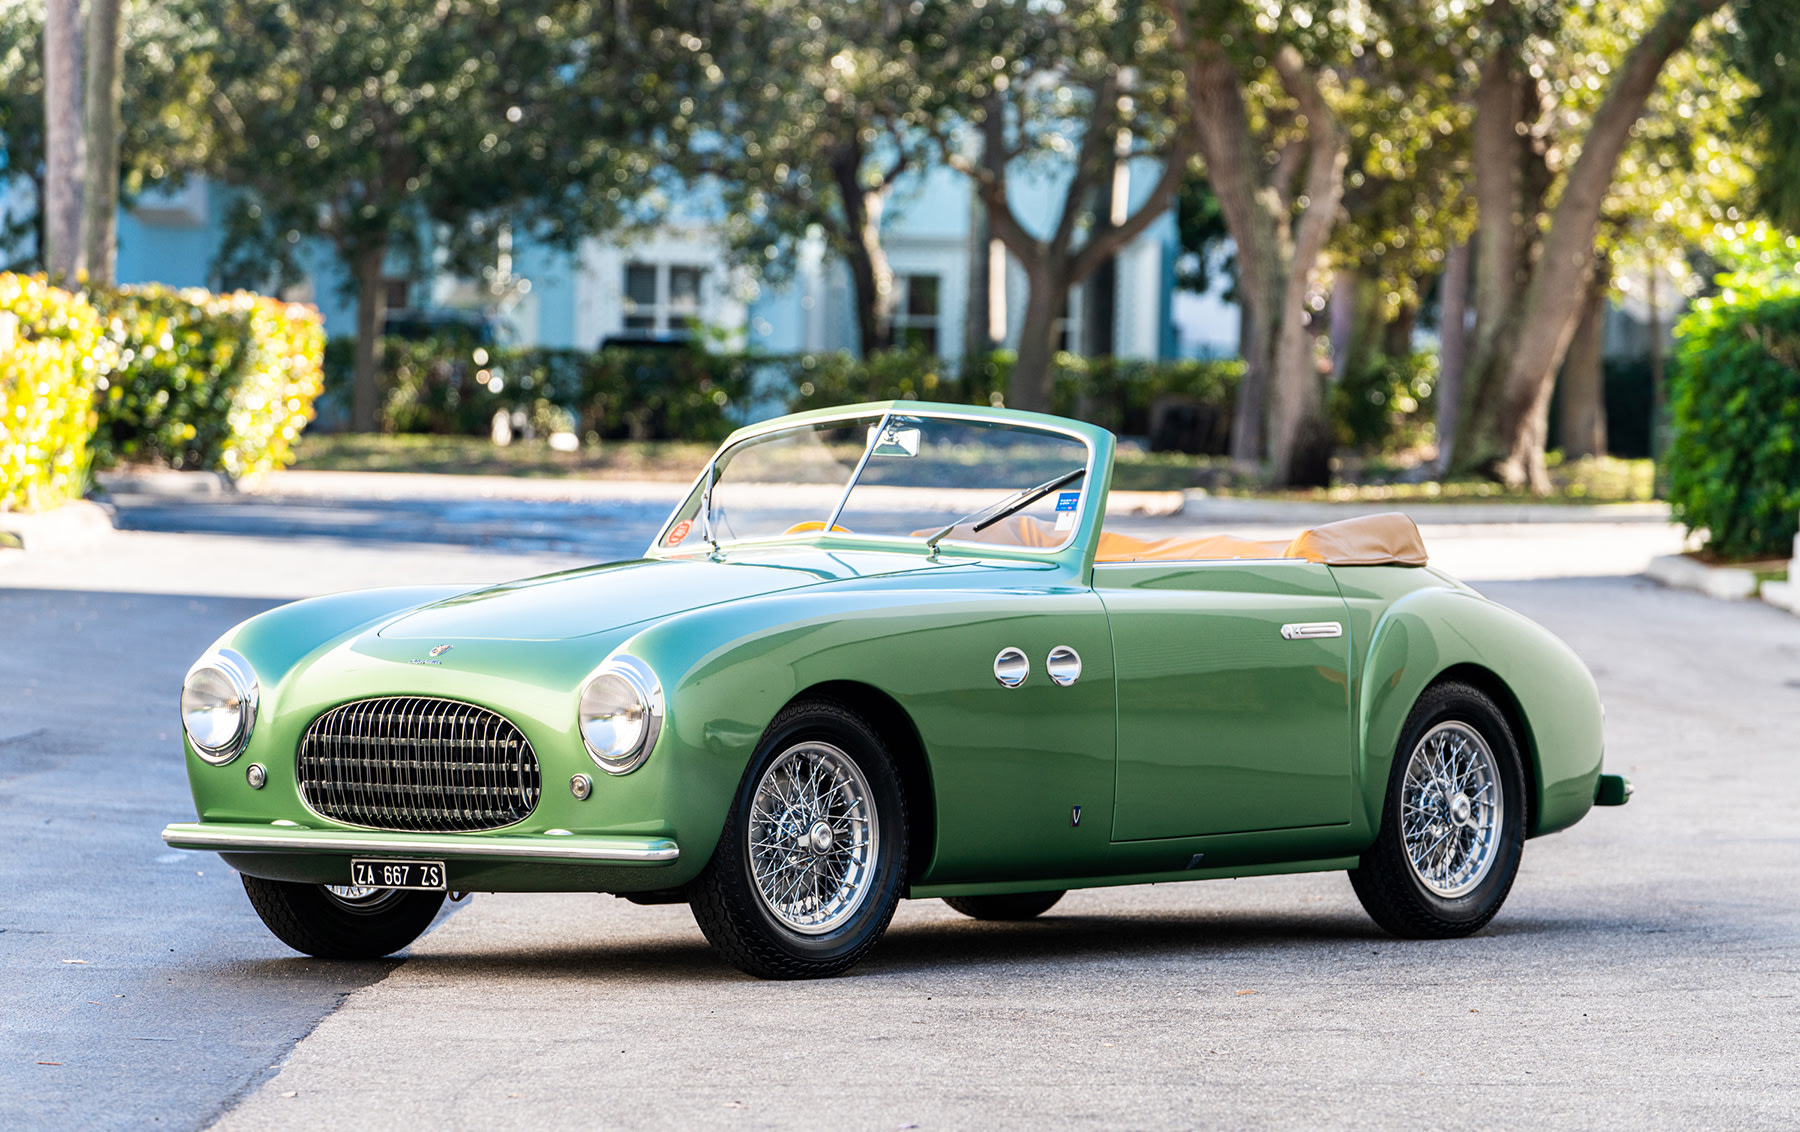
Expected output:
(221, 837)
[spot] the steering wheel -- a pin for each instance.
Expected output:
(811, 525)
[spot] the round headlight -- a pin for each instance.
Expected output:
(218, 706)
(621, 714)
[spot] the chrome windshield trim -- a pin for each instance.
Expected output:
(850, 484)
(222, 838)
(925, 410)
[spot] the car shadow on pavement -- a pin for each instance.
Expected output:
(964, 946)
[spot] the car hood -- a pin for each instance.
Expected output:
(598, 599)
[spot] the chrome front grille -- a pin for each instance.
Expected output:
(417, 764)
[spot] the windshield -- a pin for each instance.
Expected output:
(895, 476)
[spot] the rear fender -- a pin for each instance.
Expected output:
(1428, 633)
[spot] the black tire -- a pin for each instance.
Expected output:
(729, 905)
(1392, 891)
(312, 920)
(1011, 906)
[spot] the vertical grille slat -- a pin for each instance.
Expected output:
(420, 765)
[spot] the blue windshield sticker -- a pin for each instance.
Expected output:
(1067, 500)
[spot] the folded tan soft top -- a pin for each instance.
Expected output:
(1388, 539)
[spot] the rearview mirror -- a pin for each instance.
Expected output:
(897, 441)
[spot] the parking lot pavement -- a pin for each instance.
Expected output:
(1636, 976)
(137, 990)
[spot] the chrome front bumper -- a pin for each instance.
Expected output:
(221, 837)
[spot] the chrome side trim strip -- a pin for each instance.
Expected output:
(1311, 630)
(222, 838)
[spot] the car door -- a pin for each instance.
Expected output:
(1233, 696)
(1022, 769)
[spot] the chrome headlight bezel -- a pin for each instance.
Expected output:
(245, 694)
(627, 674)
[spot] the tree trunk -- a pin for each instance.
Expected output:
(1032, 386)
(1233, 167)
(65, 156)
(1344, 315)
(1510, 437)
(1658, 388)
(977, 339)
(105, 86)
(1453, 346)
(1583, 384)
(871, 277)
(371, 317)
(1397, 333)
(1299, 437)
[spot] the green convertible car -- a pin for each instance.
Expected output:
(887, 651)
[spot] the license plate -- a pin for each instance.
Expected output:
(398, 874)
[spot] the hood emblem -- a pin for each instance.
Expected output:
(436, 652)
(440, 650)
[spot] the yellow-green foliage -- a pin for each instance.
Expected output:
(284, 375)
(218, 382)
(51, 356)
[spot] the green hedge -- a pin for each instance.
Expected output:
(217, 382)
(452, 386)
(1734, 406)
(1386, 404)
(52, 358)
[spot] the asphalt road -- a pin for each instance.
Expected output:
(1643, 973)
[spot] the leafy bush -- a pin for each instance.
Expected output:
(220, 382)
(1734, 403)
(1386, 405)
(1196, 399)
(455, 386)
(51, 360)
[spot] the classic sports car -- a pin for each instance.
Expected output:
(890, 650)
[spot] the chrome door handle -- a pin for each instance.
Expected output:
(1311, 630)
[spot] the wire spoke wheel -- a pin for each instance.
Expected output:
(360, 898)
(1452, 809)
(813, 838)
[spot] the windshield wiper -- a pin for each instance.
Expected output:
(1012, 504)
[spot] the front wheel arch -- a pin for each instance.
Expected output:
(907, 749)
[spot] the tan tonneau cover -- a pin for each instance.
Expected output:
(1388, 539)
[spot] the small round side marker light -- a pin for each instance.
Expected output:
(256, 776)
(581, 786)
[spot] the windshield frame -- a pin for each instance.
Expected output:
(1088, 436)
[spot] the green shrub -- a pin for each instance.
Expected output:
(52, 357)
(455, 386)
(1121, 394)
(217, 382)
(1734, 406)
(663, 394)
(1387, 404)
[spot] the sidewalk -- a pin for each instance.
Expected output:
(1192, 507)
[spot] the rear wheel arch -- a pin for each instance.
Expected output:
(1486, 680)
(882, 712)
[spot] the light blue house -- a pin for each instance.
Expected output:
(662, 281)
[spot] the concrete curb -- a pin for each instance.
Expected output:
(1782, 595)
(1203, 507)
(166, 484)
(75, 525)
(1678, 571)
